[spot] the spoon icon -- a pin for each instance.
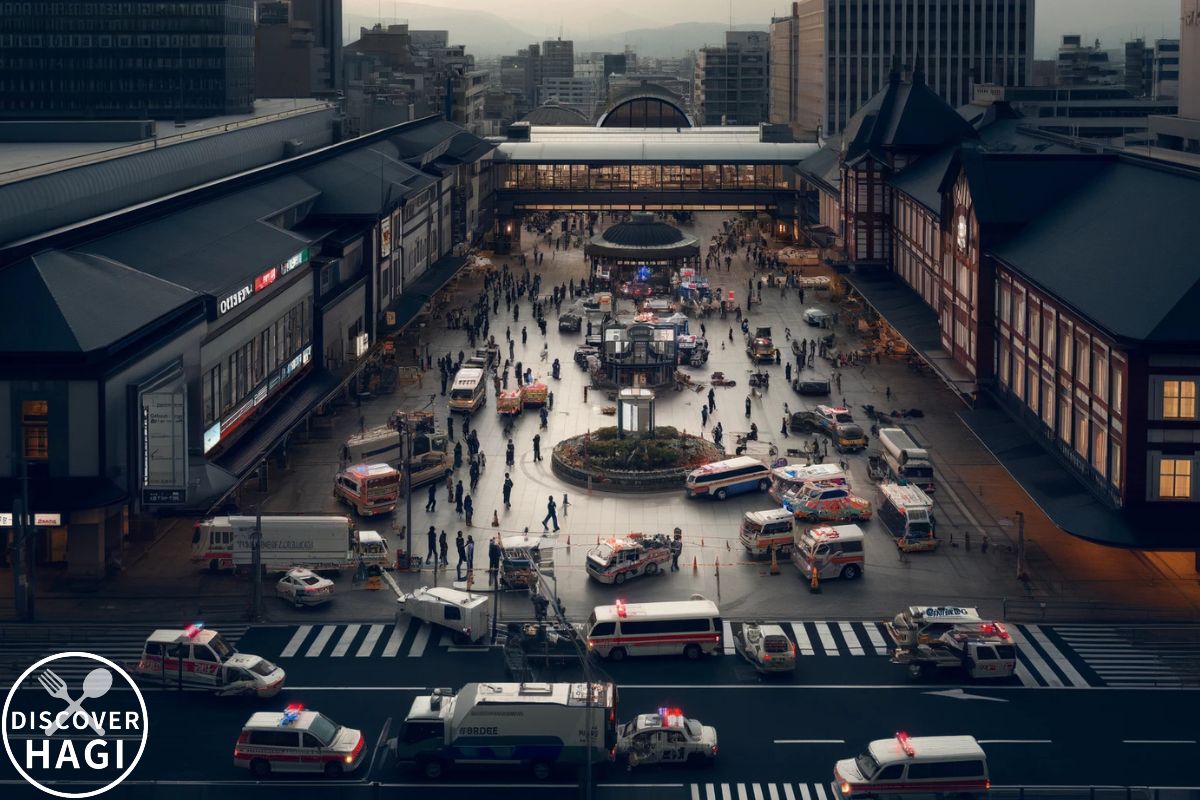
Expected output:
(96, 684)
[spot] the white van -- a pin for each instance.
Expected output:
(468, 392)
(380, 445)
(835, 551)
(908, 766)
(764, 530)
(691, 627)
(792, 478)
(731, 476)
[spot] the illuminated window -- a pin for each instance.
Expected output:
(1179, 400)
(1175, 479)
(35, 424)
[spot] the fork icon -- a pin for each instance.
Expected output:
(96, 684)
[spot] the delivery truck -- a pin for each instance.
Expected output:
(537, 726)
(315, 542)
(906, 462)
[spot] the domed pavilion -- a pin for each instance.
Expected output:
(642, 250)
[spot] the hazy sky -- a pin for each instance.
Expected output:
(1110, 20)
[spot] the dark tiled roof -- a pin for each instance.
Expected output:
(642, 231)
(1121, 252)
(554, 114)
(64, 302)
(903, 116)
(824, 165)
(364, 182)
(209, 247)
(1013, 188)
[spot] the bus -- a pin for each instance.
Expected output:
(689, 627)
(468, 392)
(732, 476)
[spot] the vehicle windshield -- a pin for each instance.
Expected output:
(461, 394)
(919, 527)
(310, 580)
(843, 417)
(867, 765)
(752, 527)
(221, 648)
(262, 667)
(693, 728)
(324, 729)
(603, 552)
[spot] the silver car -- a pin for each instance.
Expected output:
(303, 587)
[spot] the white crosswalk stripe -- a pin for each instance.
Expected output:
(323, 637)
(1111, 652)
(727, 637)
(1056, 655)
(876, 638)
(825, 634)
(1026, 653)
(297, 639)
(119, 644)
(368, 642)
(802, 641)
(343, 645)
(852, 641)
(418, 646)
(760, 791)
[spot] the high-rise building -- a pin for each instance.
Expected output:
(104, 60)
(289, 59)
(1084, 65)
(325, 19)
(731, 81)
(558, 58)
(1139, 68)
(1166, 69)
(784, 83)
(1182, 131)
(846, 49)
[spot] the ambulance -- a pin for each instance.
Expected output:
(905, 766)
(690, 627)
(791, 479)
(198, 658)
(298, 740)
(763, 531)
(834, 551)
(923, 624)
(369, 489)
(619, 558)
(983, 650)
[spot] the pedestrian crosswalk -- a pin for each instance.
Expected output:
(122, 645)
(1136, 656)
(407, 638)
(762, 791)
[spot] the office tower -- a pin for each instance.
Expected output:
(1139, 68)
(731, 81)
(1084, 65)
(783, 85)
(1166, 69)
(325, 18)
(847, 47)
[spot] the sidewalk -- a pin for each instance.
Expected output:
(975, 495)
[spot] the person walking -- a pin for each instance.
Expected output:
(537, 447)
(508, 484)
(461, 546)
(470, 558)
(784, 427)
(493, 560)
(458, 496)
(510, 454)
(788, 372)
(524, 335)
(431, 503)
(551, 514)
(887, 392)
(474, 473)
(432, 537)
(450, 426)
(747, 406)
(457, 455)
(444, 546)
(704, 416)
(676, 549)
(449, 488)
(468, 508)
(712, 400)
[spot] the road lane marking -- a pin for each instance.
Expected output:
(1056, 655)
(758, 795)
(1158, 741)
(297, 639)
(772, 791)
(852, 640)
(710, 792)
(1035, 659)
(368, 644)
(695, 791)
(802, 640)
(825, 633)
(343, 645)
(393, 643)
(725, 794)
(877, 640)
(1027, 680)
(323, 637)
(1015, 741)
(820, 792)
(787, 792)
(418, 646)
(810, 741)
(727, 637)
(804, 795)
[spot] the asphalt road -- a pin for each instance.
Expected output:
(772, 733)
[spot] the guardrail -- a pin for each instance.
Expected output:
(1021, 609)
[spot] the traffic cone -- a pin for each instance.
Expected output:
(495, 519)
(814, 583)
(695, 565)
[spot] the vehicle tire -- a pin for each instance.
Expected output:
(260, 768)
(214, 566)
(333, 770)
(721, 494)
(433, 769)
(763, 485)
(851, 571)
(619, 578)
(651, 568)
(542, 770)
(616, 654)
(693, 652)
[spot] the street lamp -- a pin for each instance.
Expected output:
(406, 432)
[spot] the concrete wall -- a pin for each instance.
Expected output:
(1189, 59)
(83, 403)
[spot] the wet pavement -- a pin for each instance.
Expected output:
(975, 495)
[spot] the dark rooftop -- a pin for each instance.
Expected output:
(553, 113)
(904, 115)
(642, 231)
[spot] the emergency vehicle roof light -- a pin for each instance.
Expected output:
(620, 608)
(671, 717)
(291, 713)
(193, 630)
(1001, 631)
(905, 744)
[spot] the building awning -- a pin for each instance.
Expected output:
(1062, 495)
(906, 311)
(416, 294)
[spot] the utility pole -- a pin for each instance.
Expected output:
(1022, 573)
(256, 563)
(22, 532)
(406, 433)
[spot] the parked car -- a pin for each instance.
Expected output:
(667, 737)
(817, 317)
(812, 386)
(303, 587)
(766, 647)
(570, 323)
(828, 503)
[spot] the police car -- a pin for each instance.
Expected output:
(199, 658)
(303, 587)
(667, 737)
(297, 740)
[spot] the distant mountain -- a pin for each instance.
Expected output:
(670, 41)
(484, 33)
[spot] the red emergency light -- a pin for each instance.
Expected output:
(905, 744)
(620, 608)
(193, 630)
(291, 713)
(994, 628)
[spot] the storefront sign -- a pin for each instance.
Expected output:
(362, 343)
(40, 520)
(385, 237)
(293, 262)
(262, 282)
(266, 279)
(164, 497)
(164, 438)
(234, 300)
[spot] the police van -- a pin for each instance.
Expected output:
(297, 740)
(915, 766)
(197, 658)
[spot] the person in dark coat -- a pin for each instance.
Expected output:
(508, 485)
(468, 508)
(510, 454)
(431, 503)
(493, 560)
(444, 546)
(432, 537)
(537, 447)
(461, 546)
(458, 496)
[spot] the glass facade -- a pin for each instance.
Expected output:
(643, 177)
(646, 112)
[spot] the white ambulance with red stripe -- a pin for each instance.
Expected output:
(297, 740)
(689, 627)
(908, 766)
(198, 658)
